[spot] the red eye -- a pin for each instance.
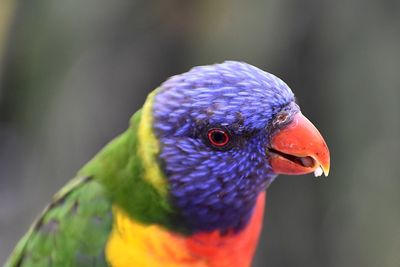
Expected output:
(218, 137)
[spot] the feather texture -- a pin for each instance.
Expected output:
(72, 231)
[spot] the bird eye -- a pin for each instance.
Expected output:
(281, 118)
(218, 137)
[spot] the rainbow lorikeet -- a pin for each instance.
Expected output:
(185, 184)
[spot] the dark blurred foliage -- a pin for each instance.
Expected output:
(72, 73)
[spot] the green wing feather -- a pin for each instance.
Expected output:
(72, 231)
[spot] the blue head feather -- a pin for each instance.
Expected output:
(213, 188)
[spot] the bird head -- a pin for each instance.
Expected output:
(225, 131)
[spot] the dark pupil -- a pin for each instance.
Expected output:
(219, 137)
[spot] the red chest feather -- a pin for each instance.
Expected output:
(235, 250)
(134, 244)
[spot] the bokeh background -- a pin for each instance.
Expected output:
(72, 72)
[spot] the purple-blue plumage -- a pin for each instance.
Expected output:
(217, 188)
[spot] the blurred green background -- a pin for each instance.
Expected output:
(72, 73)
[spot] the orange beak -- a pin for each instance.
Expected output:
(298, 148)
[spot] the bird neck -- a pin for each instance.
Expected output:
(123, 170)
(134, 244)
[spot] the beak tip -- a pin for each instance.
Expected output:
(301, 140)
(321, 170)
(326, 171)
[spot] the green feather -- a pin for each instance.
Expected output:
(119, 168)
(73, 229)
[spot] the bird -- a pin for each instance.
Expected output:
(185, 184)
